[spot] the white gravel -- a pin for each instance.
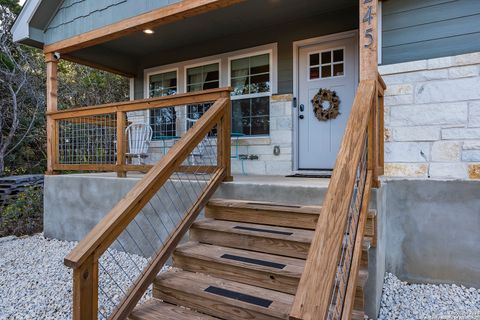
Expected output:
(35, 284)
(401, 300)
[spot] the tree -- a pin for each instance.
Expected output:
(21, 87)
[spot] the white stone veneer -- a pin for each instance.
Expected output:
(432, 118)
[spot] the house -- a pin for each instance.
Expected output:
(384, 93)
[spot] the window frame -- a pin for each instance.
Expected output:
(147, 91)
(326, 64)
(224, 76)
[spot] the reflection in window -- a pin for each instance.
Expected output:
(198, 79)
(326, 64)
(163, 120)
(251, 76)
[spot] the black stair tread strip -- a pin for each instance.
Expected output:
(263, 230)
(264, 263)
(239, 296)
(273, 204)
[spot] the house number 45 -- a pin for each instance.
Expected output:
(367, 18)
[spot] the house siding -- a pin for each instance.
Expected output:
(74, 17)
(284, 35)
(415, 30)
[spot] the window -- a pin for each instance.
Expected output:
(326, 64)
(250, 79)
(201, 78)
(163, 120)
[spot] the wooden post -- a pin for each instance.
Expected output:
(85, 290)
(121, 124)
(224, 139)
(369, 71)
(52, 91)
(381, 135)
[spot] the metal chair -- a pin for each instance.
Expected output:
(139, 136)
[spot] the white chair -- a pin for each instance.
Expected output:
(200, 150)
(139, 136)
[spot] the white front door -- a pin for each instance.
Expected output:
(330, 65)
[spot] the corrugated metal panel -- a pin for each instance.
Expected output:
(79, 16)
(414, 30)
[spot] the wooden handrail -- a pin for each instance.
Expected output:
(108, 229)
(313, 294)
(135, 105)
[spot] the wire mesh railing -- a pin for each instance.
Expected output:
(115, 264)
(128, 136)
(342, 275)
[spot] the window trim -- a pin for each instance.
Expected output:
(224, 60)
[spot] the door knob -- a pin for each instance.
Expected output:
(302, 107)
(301, 116)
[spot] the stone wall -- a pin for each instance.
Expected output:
(432, 118)
(281, 133)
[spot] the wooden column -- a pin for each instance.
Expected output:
(85, 290)
(369, 71)
(224, 139)
(52, 91)
(121, 141)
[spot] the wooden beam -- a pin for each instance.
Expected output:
(164, 15)
(142, 104)
(121, 143)
(51, 97)
(368, 40)
(85, 290)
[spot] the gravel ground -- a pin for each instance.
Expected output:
(34, 283)
(401, 300)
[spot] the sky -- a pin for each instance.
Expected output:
(21, 2)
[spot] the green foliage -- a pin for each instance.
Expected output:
(25, 215)
(13, 5)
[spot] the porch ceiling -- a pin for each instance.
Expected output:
(251, 15)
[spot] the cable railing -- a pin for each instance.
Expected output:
(116, 263)
(327, 286)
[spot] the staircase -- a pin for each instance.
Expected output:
(244, 261)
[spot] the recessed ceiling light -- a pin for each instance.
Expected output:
(148, 31)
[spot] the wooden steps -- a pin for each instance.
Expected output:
(284, 215)
(226, 299)
(255, 268)
(243, 262)
(155, 309)
(269, 239)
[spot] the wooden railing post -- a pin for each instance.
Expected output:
(51, 97)
(224, 139)
(121, 141)
(381, 127)
(85, 290)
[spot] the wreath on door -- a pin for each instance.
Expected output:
(326, 104)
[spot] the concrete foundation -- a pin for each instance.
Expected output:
(427, 230)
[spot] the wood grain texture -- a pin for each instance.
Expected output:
(357, 252)
(207, 259)
(368, 53)
(155, 309)
(277, 214)
(312, 298)
(121, 143)
(149, 20)
(141, 104)
(187, 289)
(104, 233)
(52, 101)
(85, 290)
(225, 233)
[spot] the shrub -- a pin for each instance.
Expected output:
(24, 216)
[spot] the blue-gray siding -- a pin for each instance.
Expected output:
(422, 29)
(74, 17)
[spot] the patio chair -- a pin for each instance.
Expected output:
(139, 136)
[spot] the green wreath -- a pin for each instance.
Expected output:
(325, 114)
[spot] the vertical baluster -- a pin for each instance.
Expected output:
(52, 91)
(223, 140)
(121, 121)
